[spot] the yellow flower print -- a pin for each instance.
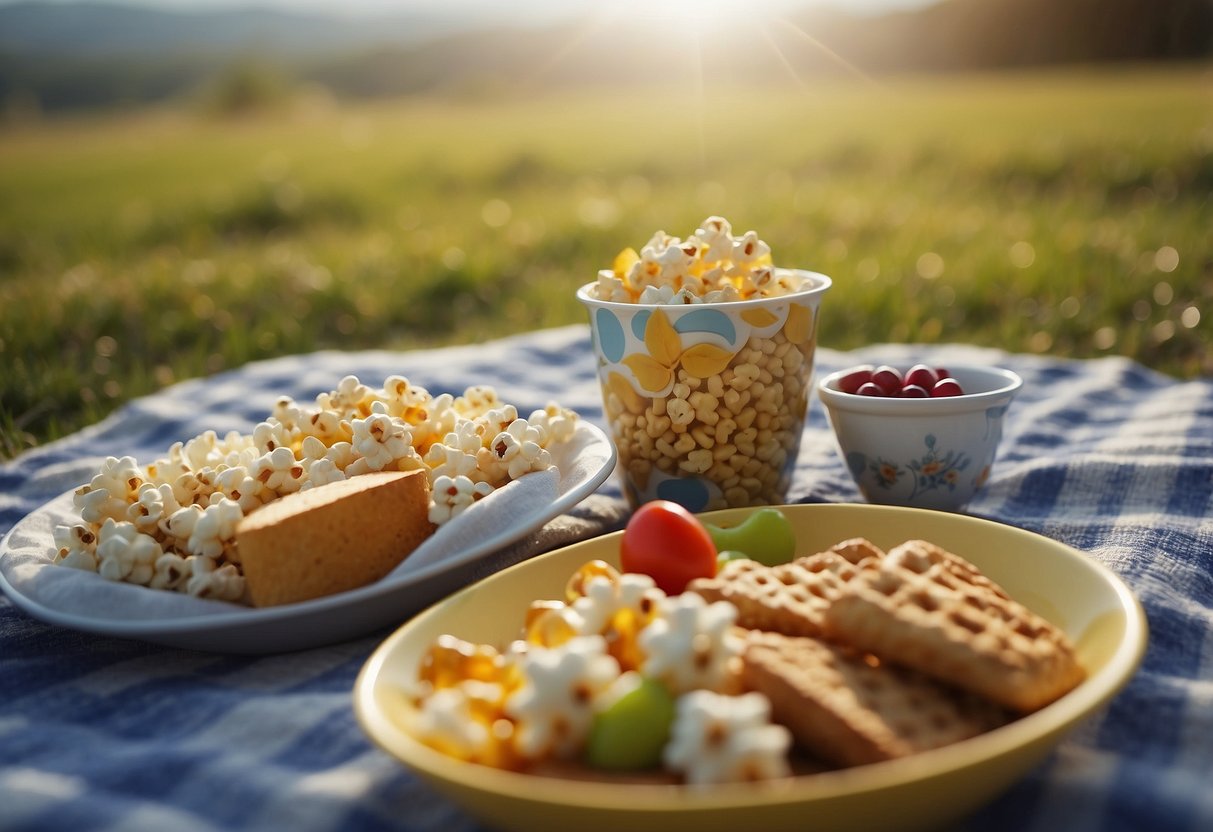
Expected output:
(655, 371)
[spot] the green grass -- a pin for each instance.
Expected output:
(1059, 213)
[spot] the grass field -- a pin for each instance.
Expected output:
(1062, 213)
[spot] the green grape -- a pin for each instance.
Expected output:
(631, 733)
(766, 536)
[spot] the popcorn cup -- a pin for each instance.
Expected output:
(706, 402)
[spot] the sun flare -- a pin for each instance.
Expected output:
(696, 17)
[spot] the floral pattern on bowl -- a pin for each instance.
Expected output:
(935, 469)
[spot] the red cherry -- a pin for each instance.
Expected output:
(914, 391)
(922, 376)
(855, 378)
(887, 379)
(946, 387)
(870, 389)
(940, 372)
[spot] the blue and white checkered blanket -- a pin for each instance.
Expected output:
(102, 733)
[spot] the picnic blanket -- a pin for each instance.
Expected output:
(105, 733)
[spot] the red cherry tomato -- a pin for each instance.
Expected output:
(667, 542)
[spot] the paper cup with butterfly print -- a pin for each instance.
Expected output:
(706, 402)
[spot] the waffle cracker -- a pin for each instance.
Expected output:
(930, 610)
(790, 598)
(850, 710)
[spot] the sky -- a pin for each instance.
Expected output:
(531, 10)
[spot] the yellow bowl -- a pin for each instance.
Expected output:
(1091, 604)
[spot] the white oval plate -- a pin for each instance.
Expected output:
(454, 556)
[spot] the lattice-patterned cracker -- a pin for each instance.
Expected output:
(941, 566)
(849, 709)
(789, 598)
(857, 549)
(937, 614)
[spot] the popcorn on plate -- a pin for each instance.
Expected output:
(171, 524)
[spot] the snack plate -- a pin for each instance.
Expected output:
(87, 602)
(1093, 606)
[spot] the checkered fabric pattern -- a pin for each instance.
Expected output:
(101, 733)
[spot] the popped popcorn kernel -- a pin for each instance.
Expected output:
(725, 739)
(619, 611)
(214, 529)
(553, 707)
(76, 547)
(465, 722)
(278, 471)
(451, 461)
(171, 572)
(125, 554)
(382, 442)
(452, 495)
(208, 579)
(690, 643)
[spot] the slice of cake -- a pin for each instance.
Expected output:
(334, 537)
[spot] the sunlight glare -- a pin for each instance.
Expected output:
(695, 17)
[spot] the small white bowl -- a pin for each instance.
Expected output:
(924, 453)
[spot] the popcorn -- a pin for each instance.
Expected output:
(515, 451)
(125, 554)
(109, 493)
(288, 412)
(405, 401)
(210, 580)
(382, 442)
(620, 611)
(241, 487)
(710, 266)
(76, 547)
(477, 399)
(171, 572)
(548, 693)
(278, 471)
(326, 427)
(272, 436)
(452, 495)
(556, 422)
(214, 529)
(452, 719)
(554, 706)
(724, 739)
(689, 645)
(632, 593)
(171, 524)
(451, 461)
(349, 397)
(321, 472)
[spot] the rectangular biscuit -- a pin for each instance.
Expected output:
(849, 709)
(933, 611)
(789, 598)
(334, 537)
